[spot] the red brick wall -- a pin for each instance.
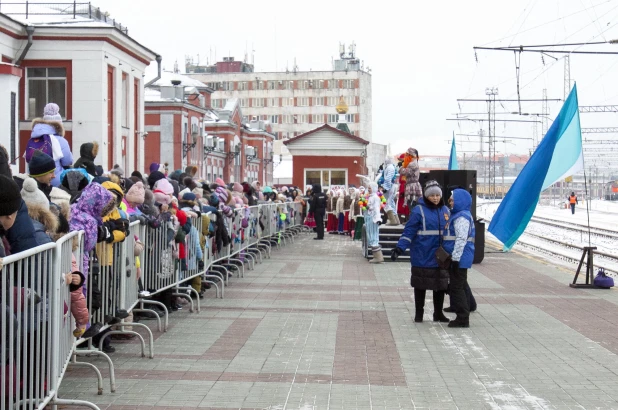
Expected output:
(324, 162)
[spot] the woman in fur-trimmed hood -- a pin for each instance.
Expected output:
(87, 154)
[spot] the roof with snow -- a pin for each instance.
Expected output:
(327, 128)
(167, 77)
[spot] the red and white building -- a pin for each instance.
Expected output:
(328, 156)
(84, 62)
(183, 130)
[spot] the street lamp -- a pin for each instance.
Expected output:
(186, 147)
(235, 153)
(210, 148)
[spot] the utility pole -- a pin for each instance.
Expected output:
(491, 110)
(567, 75)
(545, 110)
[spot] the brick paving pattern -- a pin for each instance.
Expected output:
(318, 327)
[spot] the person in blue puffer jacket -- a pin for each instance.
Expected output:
(423, 235)
(459, 242)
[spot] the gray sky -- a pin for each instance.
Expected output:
(420, 54)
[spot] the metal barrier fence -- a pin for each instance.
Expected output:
(36, 321)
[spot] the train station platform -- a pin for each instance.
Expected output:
(318, 327)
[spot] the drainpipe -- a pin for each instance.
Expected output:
(154, 80)
(30, 31)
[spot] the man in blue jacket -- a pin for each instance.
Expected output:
(459, 242)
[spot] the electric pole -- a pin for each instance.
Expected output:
(491, 93)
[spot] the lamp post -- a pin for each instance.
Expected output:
(186, 147)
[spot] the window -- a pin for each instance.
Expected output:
(274, 119)
(273, 102)
(218, 102)
(349, 83)
(260, 84)
(332, 84)
(228, 85)
(46, 85)
(124, 102)
(258, 102)
(288, 102)
(317, 118)
(350, 100)
(332, 101)
(333, 118)
(302, 101)
(318, 101)
(301, 118)
(286, 119)
(326, 177)
(290, 85)
(244, 102)
(243, 86)
(272, 85)
(13, 129)
(350, 118)
(321, 84)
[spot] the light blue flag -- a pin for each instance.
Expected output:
(453, 165)
(558, 156)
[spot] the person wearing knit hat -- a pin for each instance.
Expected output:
(137, 174)
(154, 177)
(135, 195)
(32, 195)
(164, 186)
(52, 117)
(220, 182)
(42, 168)
(10, 202)
(423, 234)
(117, 170)
(154, 167)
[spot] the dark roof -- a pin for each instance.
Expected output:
(326, 127)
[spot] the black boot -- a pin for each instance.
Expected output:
(460, 322)
(419, 303)
(438, 302)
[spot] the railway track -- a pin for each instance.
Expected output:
(582, 229)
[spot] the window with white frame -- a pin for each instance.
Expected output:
(290, 85)
(301, 118)
(273, 102)
(258, 102)
(332, 101)
(318, 101)
(350, 118)
(45, 85)
(332, 84)
(349, 83)
(288, 102)
(244, 102)
(124, 102)
(317, 118)
(333, 118)
(243, 86)
(272, 85)
(321, 84)
(302, 101)
(274, 119)
(228, 85)
(286, 119)
(326, 177)
(259, 85)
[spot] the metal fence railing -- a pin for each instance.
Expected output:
(36, 320)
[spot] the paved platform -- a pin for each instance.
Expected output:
(318, 327)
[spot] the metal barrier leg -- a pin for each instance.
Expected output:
(241, 265)
(112, 373)
(226, 272)
(124, 332)
(150, 336)
(188, 296)
(255, 251)
(61, 402)
(75, 363)
(251, 259)
(161, 305)
(154, 315)
(212, 282)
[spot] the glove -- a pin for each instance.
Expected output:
(200, 265)
(395, 253)
(454, 268)
(379, 222)
(121, 225)
(104, 234)
(142, 220)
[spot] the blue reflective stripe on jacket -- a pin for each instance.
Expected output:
(422, 234)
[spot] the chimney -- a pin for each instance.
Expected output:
(167, 91)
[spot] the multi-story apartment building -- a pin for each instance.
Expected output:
(293, 102)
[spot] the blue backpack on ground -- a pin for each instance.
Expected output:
(602, 280)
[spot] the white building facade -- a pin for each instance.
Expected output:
(91, 69)
(296, 102)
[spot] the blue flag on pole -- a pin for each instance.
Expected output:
(453, 165)
(558, 156)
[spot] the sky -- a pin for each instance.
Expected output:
(420, 54)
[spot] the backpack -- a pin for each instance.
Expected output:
(602, 280)
(42, 143)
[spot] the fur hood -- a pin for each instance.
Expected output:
(56, 124)
(89, 150)
(45, 217)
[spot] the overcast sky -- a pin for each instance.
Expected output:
(420, 54)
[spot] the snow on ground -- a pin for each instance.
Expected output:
(603, 214)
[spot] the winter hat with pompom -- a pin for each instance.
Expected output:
(164, 186)
(222, 194)
(220, 182)
(51, 112)
(238, 187)
(32, 195)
